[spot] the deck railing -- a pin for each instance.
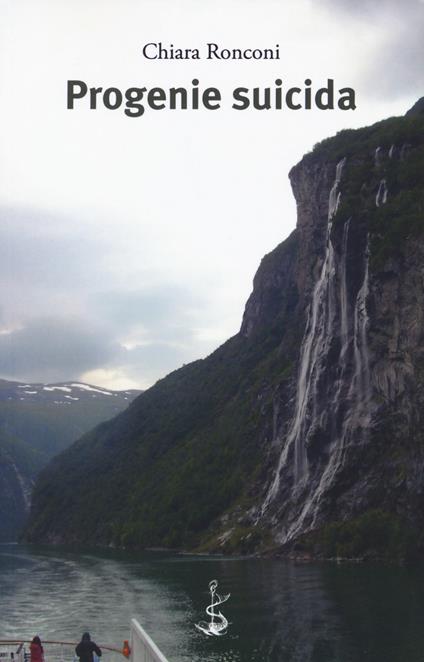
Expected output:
(12, 650)
(143, 648)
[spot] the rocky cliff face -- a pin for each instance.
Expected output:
(332, 391)
(311, 415)
(351, 439)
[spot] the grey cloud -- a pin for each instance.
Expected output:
(164, 310)
(396, 67)
(361, 6)
(54, 350)
(35, 247)
(50, 263)
(167, 315)
(49, 350)
(155, 359)
(400, 70)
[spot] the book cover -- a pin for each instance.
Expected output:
(178, 446)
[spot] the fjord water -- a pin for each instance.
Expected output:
(278, 611)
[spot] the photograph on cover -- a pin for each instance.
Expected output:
(211, 330)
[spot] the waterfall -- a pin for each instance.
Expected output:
(344, 314)
(356, 421)
(333, 390)
(25, 488)
(332, 406)
(314, 346)
(343, 289)
(381, 197)
(360, 386)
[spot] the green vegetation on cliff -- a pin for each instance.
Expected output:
(376, 535)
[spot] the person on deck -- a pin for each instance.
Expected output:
(86, 648)
(37, 651)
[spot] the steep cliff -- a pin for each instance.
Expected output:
(310, 418)
(353, 440)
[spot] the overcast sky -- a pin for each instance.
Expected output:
(128, 245)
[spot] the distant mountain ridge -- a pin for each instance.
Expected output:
(59, 392)
(37, 421)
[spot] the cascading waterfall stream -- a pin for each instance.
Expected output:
(25, 487)
(381, 197)
(343, 290)
(344, 314)
(359, 395)
(333, 394)
(360, 389)
(314, 343)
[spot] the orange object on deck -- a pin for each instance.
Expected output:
(126, 649)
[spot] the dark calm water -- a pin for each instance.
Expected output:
(279, 611)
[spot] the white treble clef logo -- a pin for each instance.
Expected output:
(218, 625)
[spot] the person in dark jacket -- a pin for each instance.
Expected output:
(37, 651)
(86, 648)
